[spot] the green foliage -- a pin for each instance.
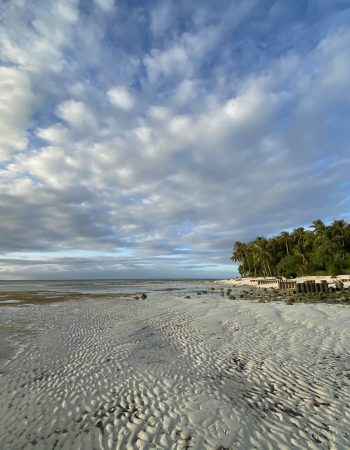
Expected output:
(289, 266)
(323, 249)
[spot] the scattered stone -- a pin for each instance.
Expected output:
(293, 296)
(143, 296)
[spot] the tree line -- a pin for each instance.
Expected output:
(320, 250)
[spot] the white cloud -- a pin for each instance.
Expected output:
(52, 165)
(331, 64)
(77, 89)
(182, 57)
(39, 49)
(120, 97)
(106, 5)
(56, 134)
(67, 11)
(162, 18)
(77, 114)
(185, 93)
(12, 53)
(160, 113)
(170, 62)
(16, 102)
(144, 134)
(28, 58)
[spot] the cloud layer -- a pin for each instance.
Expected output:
(143, 139)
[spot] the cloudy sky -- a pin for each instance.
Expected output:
(142, 138)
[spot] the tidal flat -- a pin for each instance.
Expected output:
(91, 367)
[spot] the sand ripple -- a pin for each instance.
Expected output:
(169, 373)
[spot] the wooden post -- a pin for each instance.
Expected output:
(325, 286)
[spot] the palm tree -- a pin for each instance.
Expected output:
(339, 230)
(240, 254)
(298, 236)
(251, 251)
(272, 246)
(304, 263)
(320, 230)
(284, 238)
(263, 255)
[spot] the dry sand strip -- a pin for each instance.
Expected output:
(272, 282)
(169, 373)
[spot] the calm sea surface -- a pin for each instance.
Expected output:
(102, 286)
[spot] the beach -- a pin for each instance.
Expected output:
(272, 282)
(170, 372)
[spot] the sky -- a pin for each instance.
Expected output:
(141, 139)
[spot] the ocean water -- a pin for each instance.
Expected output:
(104, 286)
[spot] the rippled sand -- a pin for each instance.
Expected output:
(175, 373)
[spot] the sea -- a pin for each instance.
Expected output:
(103, 286)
